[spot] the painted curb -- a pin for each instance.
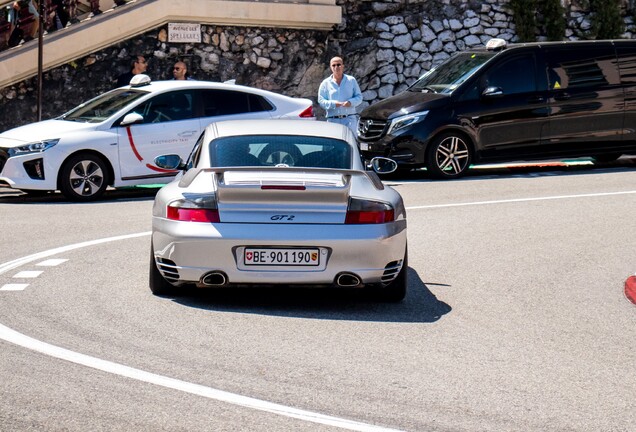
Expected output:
(630, 289)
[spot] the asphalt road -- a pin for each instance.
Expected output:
(515, 320)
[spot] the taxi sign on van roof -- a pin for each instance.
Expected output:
(496, 44)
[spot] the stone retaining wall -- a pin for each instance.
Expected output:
(385, 44)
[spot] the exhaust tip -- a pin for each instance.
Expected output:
(215, 278)
(348, 280)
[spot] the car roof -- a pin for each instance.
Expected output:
(161, 86)
(280, 127)
(578, 44)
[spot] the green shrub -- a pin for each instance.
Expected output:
(524, 17)
(607, 22)
(554, 19)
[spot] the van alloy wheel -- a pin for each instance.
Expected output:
(449, 156)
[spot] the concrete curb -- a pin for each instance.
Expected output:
(630, 289)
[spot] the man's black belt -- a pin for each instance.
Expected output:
(340, 116)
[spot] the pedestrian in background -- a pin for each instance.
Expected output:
(180, 71)
(22, 9)
(138, 66)
(95, 7)
(58, 16)
(339, 95)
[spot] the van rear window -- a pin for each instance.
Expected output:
(448, 75)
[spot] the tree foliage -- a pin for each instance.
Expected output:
(525, 13)
(554, 19)
(524, 16)
(607, 22)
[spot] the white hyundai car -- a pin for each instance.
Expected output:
(113, 139)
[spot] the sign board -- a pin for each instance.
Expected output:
(184, 32)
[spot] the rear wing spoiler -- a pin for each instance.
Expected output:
(346, 174)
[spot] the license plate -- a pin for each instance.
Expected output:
(281, 257)
(364, 146)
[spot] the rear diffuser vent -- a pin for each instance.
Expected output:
(168, 269)
(391, 271)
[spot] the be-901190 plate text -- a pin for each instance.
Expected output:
(281, 257)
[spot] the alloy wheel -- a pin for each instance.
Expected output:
(452, 156)
(86, 178)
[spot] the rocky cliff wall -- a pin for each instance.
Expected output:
(386, 45)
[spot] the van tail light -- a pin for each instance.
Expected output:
(368, 212)
(309, 112)
(197, 208)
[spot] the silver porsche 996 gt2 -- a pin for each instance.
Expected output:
(278, 202)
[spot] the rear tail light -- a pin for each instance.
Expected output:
(368, 212)
(309, 112)
(197, 208)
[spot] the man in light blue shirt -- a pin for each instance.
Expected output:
(339, 95)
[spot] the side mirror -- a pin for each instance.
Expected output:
(132, 118)
(170, 162)
(382, 165)
(492, 92)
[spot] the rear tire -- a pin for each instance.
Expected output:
(395, 291)
(158, 284)
(449, 156)
(83, 177)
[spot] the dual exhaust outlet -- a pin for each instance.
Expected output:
(218, 278)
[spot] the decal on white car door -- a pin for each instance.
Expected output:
(169, 127)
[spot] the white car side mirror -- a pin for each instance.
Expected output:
(132, 118)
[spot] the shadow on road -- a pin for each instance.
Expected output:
(419, 306)
(12, 196)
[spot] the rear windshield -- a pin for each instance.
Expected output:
(102, 107)
(447, 76)
(280, 150)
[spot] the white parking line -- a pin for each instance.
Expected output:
(24, 341)
(557, 197)
(52, 262)
(13, 287)
(28, 259)
(28, 274)
(12, 336)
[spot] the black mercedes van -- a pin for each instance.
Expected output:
(510, 102)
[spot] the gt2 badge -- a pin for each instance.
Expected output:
(282, 217)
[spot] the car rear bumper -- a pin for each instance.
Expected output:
(195, 249)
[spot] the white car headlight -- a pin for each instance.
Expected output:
(34, 147)
(401, 122)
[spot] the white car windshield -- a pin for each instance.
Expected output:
(102, 107)
(283, 151)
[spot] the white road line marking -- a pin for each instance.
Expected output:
(25, 260)
(28, 274)
(16, 338)
(52, 262)
(24, 341)
(13, 287)
(520, 200)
